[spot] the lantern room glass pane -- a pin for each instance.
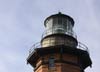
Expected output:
(49, 24)
(59, 25)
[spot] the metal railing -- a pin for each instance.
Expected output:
(54, 31)
(82, 46)
(34, 46)
(39, 45)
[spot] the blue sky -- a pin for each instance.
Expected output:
(21, 25)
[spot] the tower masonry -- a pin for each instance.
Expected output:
(59, 50)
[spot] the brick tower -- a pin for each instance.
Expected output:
(59, 49)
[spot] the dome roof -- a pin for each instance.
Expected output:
(59, 15)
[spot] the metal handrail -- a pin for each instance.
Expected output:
(34, 46)
(82, 46)
(38, 45)
(51, 31)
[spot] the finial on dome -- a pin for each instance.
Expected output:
(59, 12)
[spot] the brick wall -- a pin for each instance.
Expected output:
(59, 66)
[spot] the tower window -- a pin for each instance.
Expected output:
(51, 62)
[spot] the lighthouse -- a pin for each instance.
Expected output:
(59, 50)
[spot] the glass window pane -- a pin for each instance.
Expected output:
(51, 62)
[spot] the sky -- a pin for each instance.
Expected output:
(22, 24)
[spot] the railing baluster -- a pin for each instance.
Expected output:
(39, 45)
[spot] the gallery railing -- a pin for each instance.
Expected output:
(39, 45)
(60, 31)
